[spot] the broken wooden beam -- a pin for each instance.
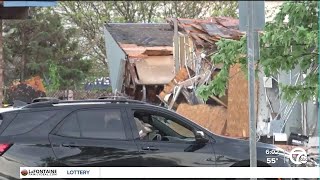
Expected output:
(175, 96)
(218, 101)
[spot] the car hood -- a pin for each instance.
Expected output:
(239, 149)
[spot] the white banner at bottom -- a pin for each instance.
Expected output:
(169, 172)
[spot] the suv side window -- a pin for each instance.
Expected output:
(160, 127)
(181, 130)
(70, 127)
(94, 123)
(27, 121)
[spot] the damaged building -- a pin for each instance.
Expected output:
(166, 63)
(140, 58)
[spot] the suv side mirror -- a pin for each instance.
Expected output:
(200, 138)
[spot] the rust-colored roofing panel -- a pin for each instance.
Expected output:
(196, 38)
(206, 38)
(198, 27)
(228, 22)
(215, 38)
(209, 30)
(133, 50)
(157, 52)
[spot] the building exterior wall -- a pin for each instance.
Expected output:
(291, 115)
(312, 118)
(116, 58)
(238, 102)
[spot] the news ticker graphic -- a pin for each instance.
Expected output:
(59, 172)
(170, 172)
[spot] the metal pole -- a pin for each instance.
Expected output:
(253, 55)
(1, 65)
(176, 46)
(319, 77)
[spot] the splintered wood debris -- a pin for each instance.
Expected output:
(212, 118)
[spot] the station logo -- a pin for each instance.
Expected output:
(298, 156)
(24, 172)
(39, 172)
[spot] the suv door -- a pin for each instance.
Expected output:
(94, 137)
(171, 142)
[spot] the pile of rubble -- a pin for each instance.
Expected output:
(25, 91)
(166, 63)
(197, 42)
(210, 117)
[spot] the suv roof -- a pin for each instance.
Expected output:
(38, 112)
(41, 99)
(56, 102)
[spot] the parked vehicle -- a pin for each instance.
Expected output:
(115, 132)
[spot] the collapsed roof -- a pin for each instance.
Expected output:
(149, 46)
(209, 31)
(204, 32)
(142, 34)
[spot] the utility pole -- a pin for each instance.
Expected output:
(252, 19)
(1, 65)
(318, 101)
(252, 49)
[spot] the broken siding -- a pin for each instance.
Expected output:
(154, 70)
(199, 36)
(116, 62)
(206, 32)
(212, 118)
(186, 52)
(133, 50)
(238, 111)
(149, 65)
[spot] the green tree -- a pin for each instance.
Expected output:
(33, 46)
(135, 11)
(224, 8)
(283, 46)
(186, 9)
(90, 17)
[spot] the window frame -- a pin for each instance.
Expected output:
(64, 121)
(16, 116)
(172, 129)
(128, 134)
(159, 112)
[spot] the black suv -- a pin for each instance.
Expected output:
(115, 133)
